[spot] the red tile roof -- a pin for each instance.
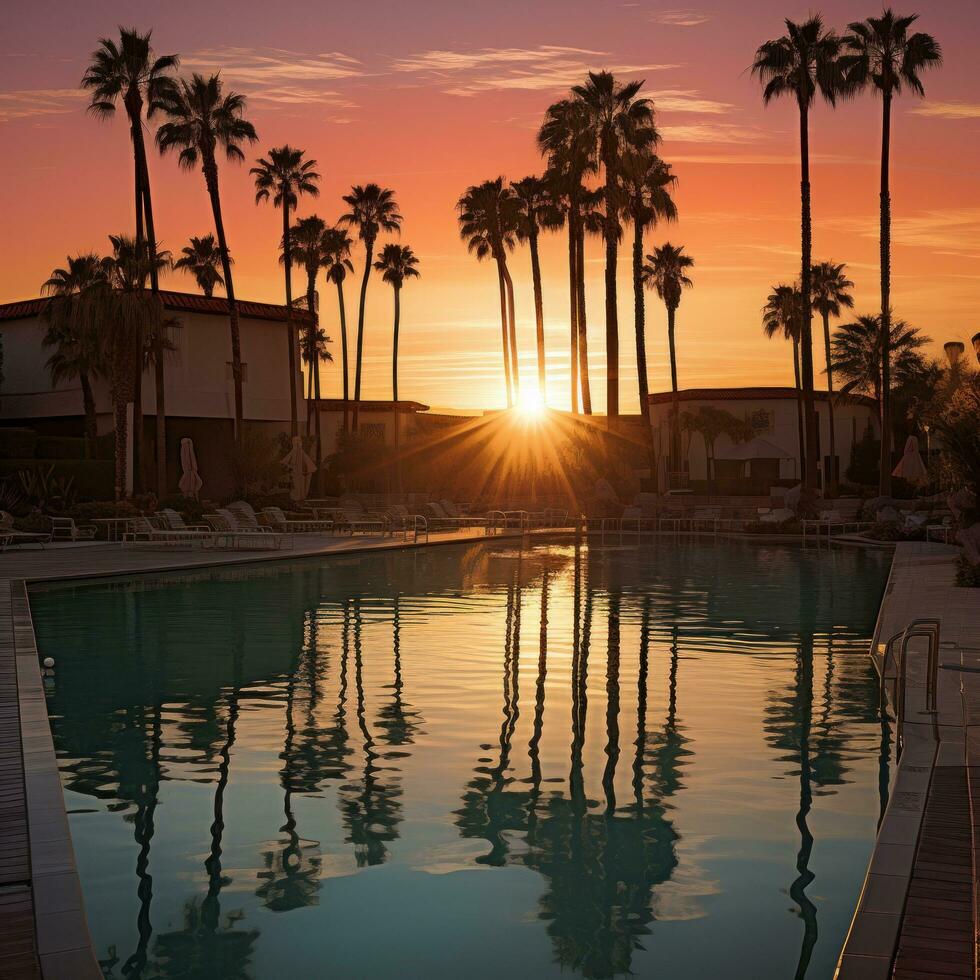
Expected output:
(372, 405)
(178, 302)
(745, 394)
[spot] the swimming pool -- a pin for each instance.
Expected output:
(473, 760)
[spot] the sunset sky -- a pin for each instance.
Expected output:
(429, 97)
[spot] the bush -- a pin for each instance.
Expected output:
(96, 509)
(865, 460)
(967, 574)
(890, 531)
(17, 443)
(791, 526)
(92, 479)
(59, 447)
(192, 510)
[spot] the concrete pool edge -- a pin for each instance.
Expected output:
(885, 934)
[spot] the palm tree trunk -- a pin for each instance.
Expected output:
(806, 336)
(611, 234)
(583, 331)
(832, 477)
(573, 307)
(368, 255)
(158, 366)
(538, 309)
(885, 475)
(211, 179)
(394, 384)
(343, 352)
(138, 366)
(639, 309)
(287, 254)
(119, 410)
(799, 412)
(512, 330)
(675, 400)
(314, 373)
(504, 333)
(135, 110)
(88, 402)
(309, 398)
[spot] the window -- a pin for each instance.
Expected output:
(761, 421)
(230, 374)
(373, 430)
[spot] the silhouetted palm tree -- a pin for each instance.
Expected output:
(396, 264)
(646, 186)
(372, 209)
(782, 316)
(881, 55)
(566, 140)
(831, 293)
(129, 71)
(857, 356)
(73, 332)
(201, 259)
(618, 119)
(308, 239)
(284, 175)
(202, 118)
(799, 65)
(488, 225)
(536, 210)
(338, 264)
(665, 272)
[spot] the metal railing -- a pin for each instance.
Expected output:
(929, 628)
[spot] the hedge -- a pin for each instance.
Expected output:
(59, 447)
(17, 443)
(94, 479)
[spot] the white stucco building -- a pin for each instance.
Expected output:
(771, 457)
(199, 391)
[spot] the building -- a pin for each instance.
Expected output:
(376, 420)
(199, 390)
(772, 456)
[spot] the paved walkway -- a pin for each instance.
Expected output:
(43, 929)
(917, 915)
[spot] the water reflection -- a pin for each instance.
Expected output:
(318, 692)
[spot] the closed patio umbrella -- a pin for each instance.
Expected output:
(301, 469)
(190, 479)
(910, 466)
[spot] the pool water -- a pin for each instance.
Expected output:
(474, 761)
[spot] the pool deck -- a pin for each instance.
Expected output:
(917, 914)
(43, 929)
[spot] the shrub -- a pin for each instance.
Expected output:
(92, 478)
(17, 443)
(967, 574)
(790, 526)
(95, 509)
(59, 447)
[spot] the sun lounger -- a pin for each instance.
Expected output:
(230, 533)
(279, 522)
(14, 537)
(65, 529)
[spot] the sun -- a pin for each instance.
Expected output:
(530, 404)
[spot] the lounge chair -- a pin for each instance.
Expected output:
(352, 517)
(172, 520)
(65, 529)
(11, 536)
(778, 515)
(229, 532)
(278, 521)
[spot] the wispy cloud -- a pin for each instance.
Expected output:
(679, 18)
(711, 133)
(686, 100)
(543, 68)
(949, 231)
(25, 103)
(948, 110)
(272, 66)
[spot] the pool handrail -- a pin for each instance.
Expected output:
(931, 629)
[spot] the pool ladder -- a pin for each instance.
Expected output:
(929, 628)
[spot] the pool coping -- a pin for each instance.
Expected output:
(939, 745)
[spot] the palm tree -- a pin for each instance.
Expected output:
(73, 332)
(372, 209)
(308, 249)
(202, 118)
(799, 65)
(536, 209)
(201, 259)
(488, 225)
(782, 314)
(881, 55)
(337, 263)
(856, 351)
(566, 140)
(284, 176)
(646, 186)
(617, 119)
(665, 272)
(129, 71)
(396, 264)
(831, 293)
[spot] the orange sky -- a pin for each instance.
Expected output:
(430, 97)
